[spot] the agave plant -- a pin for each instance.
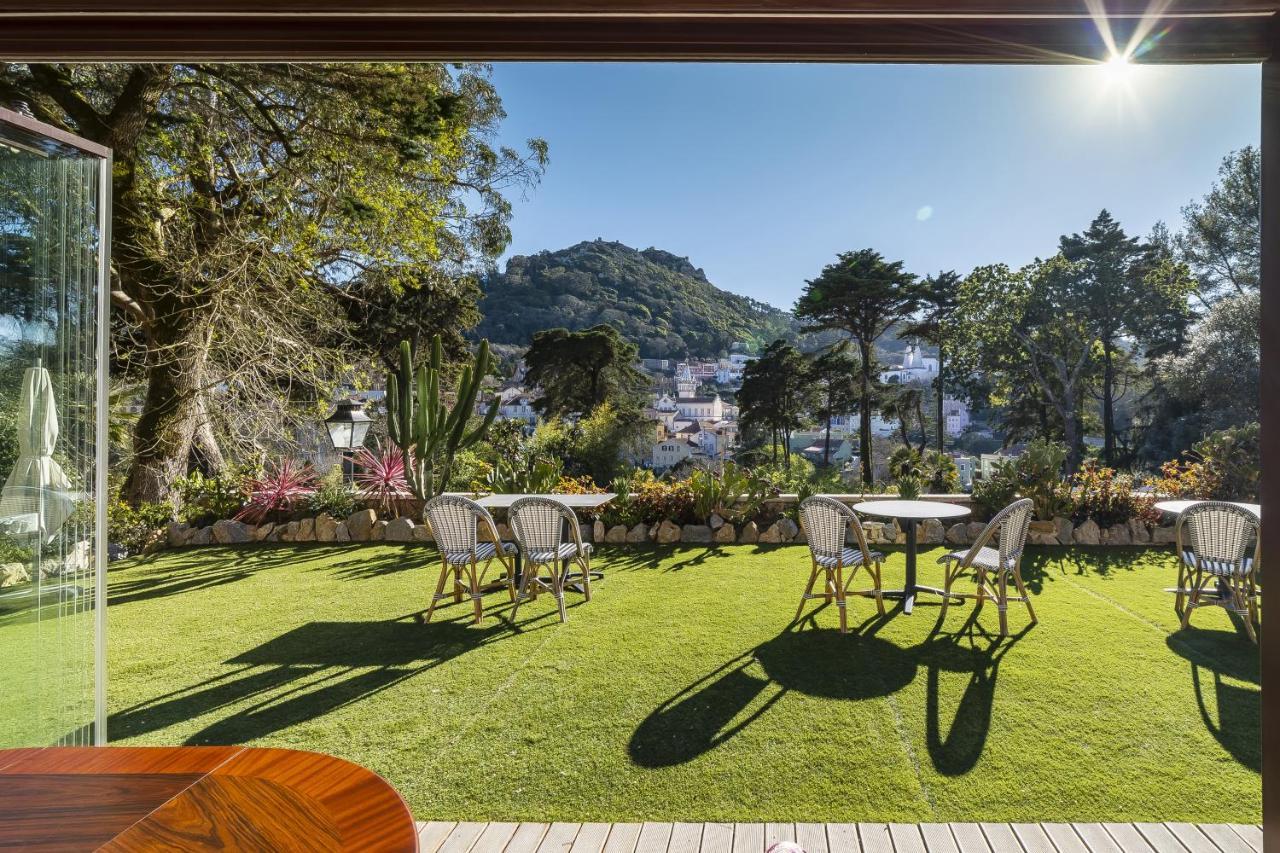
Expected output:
(277, 490)
(380, 476)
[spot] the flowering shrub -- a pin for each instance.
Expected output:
(1225, 465)
(380, 476)
(333, 496)
(644, 498)
(1099, 493)
(278, 490)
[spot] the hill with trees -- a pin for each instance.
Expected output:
(658, 300)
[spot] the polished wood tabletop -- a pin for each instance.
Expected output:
(196, 798)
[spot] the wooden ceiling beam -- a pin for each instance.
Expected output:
(766, 37)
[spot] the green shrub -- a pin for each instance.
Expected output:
(994, 493)
(1039, 473)
(645, 498)
(732, 493)
(333, 496)
(208, 499)
(906, 471)
(135, 529)
(1106, 497)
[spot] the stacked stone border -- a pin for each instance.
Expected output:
(365, 526)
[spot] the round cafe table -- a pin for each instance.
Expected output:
(1179, 507)
(909, 514)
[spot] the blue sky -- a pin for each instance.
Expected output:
(760, 174)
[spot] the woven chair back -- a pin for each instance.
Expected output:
(1218, 531)
(538, 524)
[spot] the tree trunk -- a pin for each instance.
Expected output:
(172, 415)
(864, 413)
(1108, 405)
(942, 424)
(1071, 433)
(826, 444)
(924, 431)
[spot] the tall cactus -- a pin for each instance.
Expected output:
(429, 433)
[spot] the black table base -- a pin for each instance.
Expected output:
(908, 593)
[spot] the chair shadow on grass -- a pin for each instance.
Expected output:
(311, 671)
(720, 704)
(1218, 658)
(974, 651)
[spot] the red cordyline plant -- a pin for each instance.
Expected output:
(380, 476)
(277, 490)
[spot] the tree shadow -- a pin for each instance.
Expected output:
(306, 673)
(1216, 656)
(974, 651)
(660, 557)
(1101, 560)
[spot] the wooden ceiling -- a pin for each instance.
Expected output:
(973, 31)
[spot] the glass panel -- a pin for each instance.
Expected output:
(49, 268)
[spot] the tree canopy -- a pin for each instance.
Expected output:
(247, 199)
(578, 371)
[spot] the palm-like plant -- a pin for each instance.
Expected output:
(277, 490)
(380, 476)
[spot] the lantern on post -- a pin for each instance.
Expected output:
(348, 425)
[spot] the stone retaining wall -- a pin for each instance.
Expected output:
(365, 526)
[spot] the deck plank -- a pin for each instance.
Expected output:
(1001, 838)
(685, 838)
(843, 838)
(462, 837)
(906, 838)
(433, 833)
(591, 838)
(775, 832)
(559, 837)
(1225, 837)
(1096, 838)
(1190, 837)
(1251, 834)
(1160, 838)
(654, 837)
(1033, 838)
(938, 838)
(717, 838)
(812, 837)
(622, 838)
(1064, 838)
(1128, 838)
(494, 838)
(874, 838)
(527, 837)
(748, 838)
(969, 838)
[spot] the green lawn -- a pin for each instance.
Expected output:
(683, 691)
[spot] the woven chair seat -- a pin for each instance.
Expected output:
(483, 551)
(567, 551)
(1221, 568)
(986, 558)
(848, 557)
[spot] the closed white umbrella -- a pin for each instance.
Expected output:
(36, 495)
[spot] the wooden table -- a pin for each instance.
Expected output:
(196, 798)
(910, 513)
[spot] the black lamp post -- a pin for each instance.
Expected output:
(348, 425)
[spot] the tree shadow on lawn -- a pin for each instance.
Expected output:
(308, 672)
(192, 569)
(662, 557)
(827, 664)
(1217, 656)
(1102, 560)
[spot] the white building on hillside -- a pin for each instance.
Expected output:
(915, 367)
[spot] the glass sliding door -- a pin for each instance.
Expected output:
(54, 199)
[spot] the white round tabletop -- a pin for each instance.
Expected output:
(917, 510)
(1179, 507)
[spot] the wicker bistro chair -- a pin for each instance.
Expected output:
(538, 525)
(1004, 561)
(825, 521)
(1213, 540)
(454, 521)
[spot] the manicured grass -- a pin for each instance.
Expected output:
(683, 692)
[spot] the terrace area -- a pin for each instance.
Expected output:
(684, 691)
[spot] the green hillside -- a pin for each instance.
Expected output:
(656, 299)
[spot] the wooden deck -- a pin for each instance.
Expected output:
(449, 837)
